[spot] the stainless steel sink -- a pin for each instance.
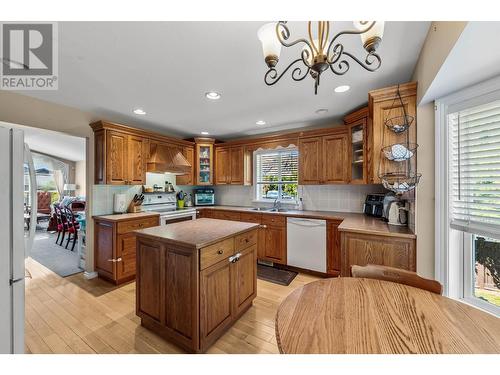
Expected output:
(266, 209)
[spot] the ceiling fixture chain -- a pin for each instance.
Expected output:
(316, 57)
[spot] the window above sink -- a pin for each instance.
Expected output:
(276, 176)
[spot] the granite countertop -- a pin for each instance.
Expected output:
(351, 222)
(126, 216)
(197, 233)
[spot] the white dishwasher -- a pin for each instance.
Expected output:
(306, 243)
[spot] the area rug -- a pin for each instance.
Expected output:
(56, 258)
(275, 275)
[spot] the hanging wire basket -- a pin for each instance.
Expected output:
(400, 151)
(400, 182)
(399, 124)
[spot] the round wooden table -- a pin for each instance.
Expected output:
(350, 315)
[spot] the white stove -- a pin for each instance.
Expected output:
(165, 205)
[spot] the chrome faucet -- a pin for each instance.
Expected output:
(276, 204)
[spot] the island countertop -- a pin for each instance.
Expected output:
(197, 233)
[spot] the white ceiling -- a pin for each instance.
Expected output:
(52, 143)
(473, 59)
(110, 68)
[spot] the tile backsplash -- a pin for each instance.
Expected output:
(345, 198)
(103, 195)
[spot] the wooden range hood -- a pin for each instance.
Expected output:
(166, 158)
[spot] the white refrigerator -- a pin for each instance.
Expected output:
(18, 204)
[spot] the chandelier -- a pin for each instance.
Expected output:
(318, 54)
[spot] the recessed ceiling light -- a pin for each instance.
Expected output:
(212, 95)
(342, 88)
(260, 122)
(139, 111)
(321, 111)
(204, 133)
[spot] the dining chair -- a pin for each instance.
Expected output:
(396, 275)
(62, 226)
(73, 226)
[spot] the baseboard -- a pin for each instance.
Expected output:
(90, 275)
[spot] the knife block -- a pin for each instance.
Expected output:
(133, 208)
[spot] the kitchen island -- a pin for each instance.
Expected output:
(195, 279)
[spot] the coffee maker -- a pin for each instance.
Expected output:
(398, 213)
(395, 210)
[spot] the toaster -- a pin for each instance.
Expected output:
(374, 205)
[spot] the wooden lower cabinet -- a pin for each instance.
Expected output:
(274, 244)
(362, 249)
(115, 247)
(191, 297)
(333, 263)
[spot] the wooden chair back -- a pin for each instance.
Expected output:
(396, 275)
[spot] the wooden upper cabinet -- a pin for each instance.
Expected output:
(335, 167)
(222, 166)
(236, 165)
(230, 166)
(323, 160)
(310, 155)
(384, 104)
(187, 179)
(122, 153)
(125, 157)
(137, 153)
(116, 158)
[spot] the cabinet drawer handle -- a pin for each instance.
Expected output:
(263, 226)
(220, 252)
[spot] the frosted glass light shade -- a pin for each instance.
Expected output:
(271, 46)
(371, 39)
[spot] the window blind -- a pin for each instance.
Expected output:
(277, 167)
(475, 169)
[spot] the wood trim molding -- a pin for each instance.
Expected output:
(139, 132)
(405, 89)
(356, 115)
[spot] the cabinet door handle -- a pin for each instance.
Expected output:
(112, 260)
(263, 226)
(119, 260)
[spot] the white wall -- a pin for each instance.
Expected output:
(28, 111)
(424, 225)
(344, 198)
(80, 178)
(440, 41)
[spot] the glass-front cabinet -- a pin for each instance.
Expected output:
(356, 123)
(204, 161)
(358, 154)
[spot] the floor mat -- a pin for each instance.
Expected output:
(56, 258)
(275, 275)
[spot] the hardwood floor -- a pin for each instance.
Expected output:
(75, 315)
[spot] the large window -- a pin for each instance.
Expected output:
(473, 201)
(276, 175)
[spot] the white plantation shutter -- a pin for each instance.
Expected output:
(277, 167)
(475, 169)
